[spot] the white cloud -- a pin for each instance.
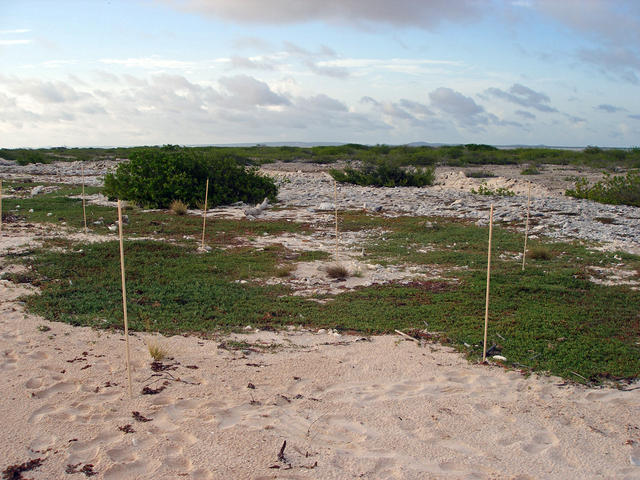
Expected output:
(15, 31)
(523, 96)
(421, 14)
(14, 42)
(153, 62)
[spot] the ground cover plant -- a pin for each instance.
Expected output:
(548, 318)
(483, 189)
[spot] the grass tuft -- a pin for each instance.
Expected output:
(540, 253)
(178, 207)
(338, 271)
(157, 351)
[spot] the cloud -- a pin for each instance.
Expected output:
(604, 107)
(251, 43)
(415, 107)
(614, 26)
(523, 96)
(323, 102)
(634, 117)
(359, 12)
(524, 114)
(311, 60)
(153, 62)
(251, 63)
(14, 42)
(15, 31)
(464, 110)
(247, 91)
(336, 72)
(621, 61)
(45, 91)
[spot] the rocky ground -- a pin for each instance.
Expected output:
(308, 186)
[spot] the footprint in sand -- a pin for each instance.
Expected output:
(43, 442)
(38, 355)
(122, 454)
(130, 470)
(34, 382)
(541, 442)
(60, 387)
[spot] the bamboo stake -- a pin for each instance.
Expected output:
(0, 205)
(204, 215)
(335, 203)
(486, 307)
(526, 228)
(124, 299)
(84, 210)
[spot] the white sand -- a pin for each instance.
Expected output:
(387, 408)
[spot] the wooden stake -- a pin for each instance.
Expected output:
(84, 210)
(526, 228)
(204, 215)
(335, 203)
(0, 205)
(124, 299)
(486, 307)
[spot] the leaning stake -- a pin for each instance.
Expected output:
(486, 306)
(335, 204)
(204, 215)
(84, 211)
(0, 205)
(526, 228)
(124, 299)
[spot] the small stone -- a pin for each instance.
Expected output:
(322, 331)
(248, 327)
(49, 214)
(499, 357)
(31, 210)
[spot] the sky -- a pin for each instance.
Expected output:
(153, 72)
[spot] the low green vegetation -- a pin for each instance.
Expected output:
(156, 177)
(479, 174)
(419, 155)
(549, 318)
(531, 170)
(483, 189)
(614, 190)
(385, 174)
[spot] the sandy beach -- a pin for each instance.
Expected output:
(347, 407)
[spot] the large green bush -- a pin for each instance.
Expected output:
(384, 174)
(154, 177)
(614, 190)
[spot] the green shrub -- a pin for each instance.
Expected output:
(385, 174)
(531, 170)
(154, 177)
(498, 192)
(24, 156)
(617, 190)
(479, 174)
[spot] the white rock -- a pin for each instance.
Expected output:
(499, 357)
